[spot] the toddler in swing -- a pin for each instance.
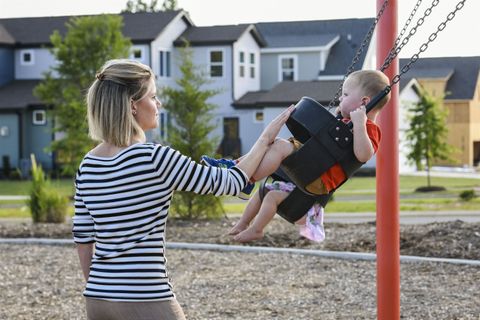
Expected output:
(357, 91)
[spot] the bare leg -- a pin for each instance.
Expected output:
(250, 212)
(266, 213)
(278, 151)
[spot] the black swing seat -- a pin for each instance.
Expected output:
(327, 140)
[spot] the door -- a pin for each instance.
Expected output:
(231, 145)
(9, 140)
(476, 153)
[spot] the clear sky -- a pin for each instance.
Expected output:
(458, 39)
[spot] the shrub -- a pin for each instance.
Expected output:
(467, 195)
(45, 204)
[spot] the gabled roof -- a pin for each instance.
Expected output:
(351, 33)
(461, 73)
(218, 35)
(5, 36)
(18, 94)
(289, 92)
(139, 27)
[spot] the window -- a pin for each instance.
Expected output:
(216, 64)
(164, 123)
(242, 64)
(252, 65)
(165, 64)
(137, 53)
(288, 65)
(258, 118)
(39, 117)
(27, 57)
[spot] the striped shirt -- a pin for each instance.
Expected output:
(121, 205)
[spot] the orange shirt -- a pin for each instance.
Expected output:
(335, 175)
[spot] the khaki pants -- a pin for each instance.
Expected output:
(112, 310)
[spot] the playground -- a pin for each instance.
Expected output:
(289, 287)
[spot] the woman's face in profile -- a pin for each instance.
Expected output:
(147, 108)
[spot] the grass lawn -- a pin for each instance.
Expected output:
(355, 187)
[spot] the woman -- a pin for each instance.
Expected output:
(124, 187)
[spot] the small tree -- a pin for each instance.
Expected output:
(170, 5)
(134, 6)
(427, 133)
(192, 117)
(88, 44)
(46, 205)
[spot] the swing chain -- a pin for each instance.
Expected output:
(356, 58)
(393, 53)
(424, 46)
(396, 49)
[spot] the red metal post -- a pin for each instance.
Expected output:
(388, 230)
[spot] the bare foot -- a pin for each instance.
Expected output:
(248, 235)
(237, 228)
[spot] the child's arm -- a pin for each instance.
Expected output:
(362, 146)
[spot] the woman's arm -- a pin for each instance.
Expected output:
(85, 253)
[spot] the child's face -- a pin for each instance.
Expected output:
(351, 98)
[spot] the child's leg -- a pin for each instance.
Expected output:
(278, 151)
(251, 210)
(266, 213)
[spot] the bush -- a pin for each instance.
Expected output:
(45, 204)
(467, 195)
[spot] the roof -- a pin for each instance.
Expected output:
(139, 27)
(351, 33)
(461, 73)
(18, 94)
(215, 35)
(289, 92)
(5, 36)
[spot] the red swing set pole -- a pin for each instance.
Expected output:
(388, 229)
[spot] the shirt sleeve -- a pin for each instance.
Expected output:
(374, 134)
(83, 226)
(187, 175)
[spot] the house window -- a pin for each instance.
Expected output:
(27, 57)
(137, 53)
(258, 117)
(216, 64)
(242, 64)
(163, 125)
(165, 64)
(288, 68)
(252, 65)
(39, 117)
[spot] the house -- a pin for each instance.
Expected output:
(25, 127)
(457, 80)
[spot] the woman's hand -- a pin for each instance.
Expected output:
(273, 128)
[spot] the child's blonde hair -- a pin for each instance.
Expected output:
(119, 83)
(371, 83)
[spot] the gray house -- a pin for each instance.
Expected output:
(259, 68)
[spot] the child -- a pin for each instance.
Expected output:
(358, 89)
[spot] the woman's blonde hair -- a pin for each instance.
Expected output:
(118, 83)
(371, 83)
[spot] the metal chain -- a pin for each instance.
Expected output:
(400, 35)
(394, 52)
(424, 46)
(356, 58)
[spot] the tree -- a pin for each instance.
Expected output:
(170, 5)
(427, 133)
(87, 45)
(192, 123)
(141, 6)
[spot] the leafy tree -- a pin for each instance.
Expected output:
(170, 5)
(134, 6)
(192, 117)
(427, 133)
(88, 43)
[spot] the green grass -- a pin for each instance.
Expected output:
(15, 188)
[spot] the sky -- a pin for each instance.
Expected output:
(453, 41)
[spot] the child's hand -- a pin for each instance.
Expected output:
(359, 116)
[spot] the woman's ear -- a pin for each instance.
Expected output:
(133, 107)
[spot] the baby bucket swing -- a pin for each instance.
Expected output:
(326, 139)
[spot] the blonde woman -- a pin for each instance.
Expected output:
(123, 191)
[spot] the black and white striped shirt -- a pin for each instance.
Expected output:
(121, 205)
